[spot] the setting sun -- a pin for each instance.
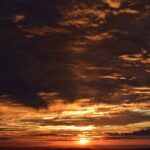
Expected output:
(83, 141)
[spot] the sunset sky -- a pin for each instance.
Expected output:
(74, 73)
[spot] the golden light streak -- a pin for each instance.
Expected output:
(69, 128)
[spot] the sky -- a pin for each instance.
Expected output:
(74, 73)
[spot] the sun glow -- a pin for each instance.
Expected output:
(83, 141)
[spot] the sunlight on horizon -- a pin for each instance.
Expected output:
(84, 141)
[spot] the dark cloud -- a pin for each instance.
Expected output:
(63, 134)
(5, 138)
(76, 49)
(133, 135)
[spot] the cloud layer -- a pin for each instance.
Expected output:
(75, 49)
(74, 69)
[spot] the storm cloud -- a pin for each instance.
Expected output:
(74, 49)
